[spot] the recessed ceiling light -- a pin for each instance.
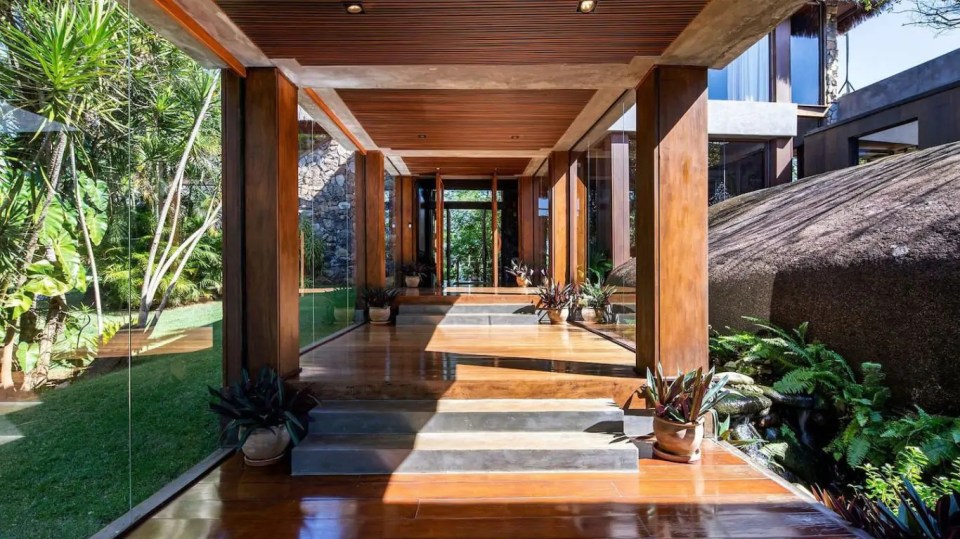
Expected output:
(587, 6)
(514, 137)
(421, 136)
(354, 8)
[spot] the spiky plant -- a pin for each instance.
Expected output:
(685, 399)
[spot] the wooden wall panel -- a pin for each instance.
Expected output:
(672, 219)
(405, 217)
(429, 32)
(270, 221)
(559, 177)
(466, 119)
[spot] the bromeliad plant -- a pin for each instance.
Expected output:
(379, 298)
(259, 403)
(521, 271)
(686, 399)
(414, 270)
(554, 296)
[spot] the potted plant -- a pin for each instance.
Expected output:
(520, 272)
(680, 406)
(261, 416)
(413, 274)
(554, 299)
(597, 307)
(343, 305)
(379, 302)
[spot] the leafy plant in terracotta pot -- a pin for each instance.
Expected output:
(379, 302)
(554, 300)
(521, 272)
(413, 274)
(680, 406)
(261, 416)
(597, 304)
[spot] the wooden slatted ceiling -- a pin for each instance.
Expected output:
(424, 32)
(465, 119)
(466, 166)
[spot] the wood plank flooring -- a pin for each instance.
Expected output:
(562, 361)
(722, 496)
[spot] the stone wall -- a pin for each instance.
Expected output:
(327, 188)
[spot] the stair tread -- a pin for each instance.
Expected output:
(468, 405)
(468, 441)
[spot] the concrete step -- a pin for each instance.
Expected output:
(477, 319)
(466, 415)
(469, 308)
(460, 452)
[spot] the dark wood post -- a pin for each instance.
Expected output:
(233, 329)
(559, 171)
(371, 235)
(270, 210)
(672, 219)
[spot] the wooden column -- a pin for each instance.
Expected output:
(527, 219)
(439, 229)
(405, 217)
(559, 177)
(371, 269)
(672, 219)
(578, 220)
(618, 145)
(231, 128)
(495, 234)
(269, 222)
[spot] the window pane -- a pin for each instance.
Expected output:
(735, 168)
(746, 79)
(805, 56)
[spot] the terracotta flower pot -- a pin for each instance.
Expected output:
(680, 440)
(412, 281)
(265, 446)
(521, 281)
(557, 316)
(379, 315)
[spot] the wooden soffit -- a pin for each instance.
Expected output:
(426, 32)
(465, 119)
(467, 166)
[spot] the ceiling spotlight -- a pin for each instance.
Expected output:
(587, 6)
(421, 136)
(354, 8)
(514, 137)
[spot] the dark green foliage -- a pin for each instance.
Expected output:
(314, 249)
(260, 403)
(415, 270)
(685, 399)
(379, 297)
(912, 519)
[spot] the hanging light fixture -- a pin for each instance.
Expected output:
(354, 8)
(587, 6)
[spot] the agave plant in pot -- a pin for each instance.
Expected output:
(680, 407)
(554, 300)
(261, 416)
(379, 302)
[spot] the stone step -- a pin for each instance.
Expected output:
(468, 308)
(367, 454)
(478, 319)
(466, 415)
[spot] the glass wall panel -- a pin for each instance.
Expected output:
(542, 227)
(735, 168)
(805, 55)
(390, 229)
(746, 79)
(326, 187)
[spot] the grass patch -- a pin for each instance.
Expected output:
(92, 450)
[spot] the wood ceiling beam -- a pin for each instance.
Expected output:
(192, 27)
(325, 109)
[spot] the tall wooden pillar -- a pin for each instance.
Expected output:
(262, 316)
(527, 219)
(371, 250)
(619, 151)
(672, 219)
(559, 178)
(405, 217)
(578, 219)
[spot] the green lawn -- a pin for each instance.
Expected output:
(92, 450)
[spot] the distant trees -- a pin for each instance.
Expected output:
(942, 15)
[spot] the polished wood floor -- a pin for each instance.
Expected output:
(562, 361)
(722, 496)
